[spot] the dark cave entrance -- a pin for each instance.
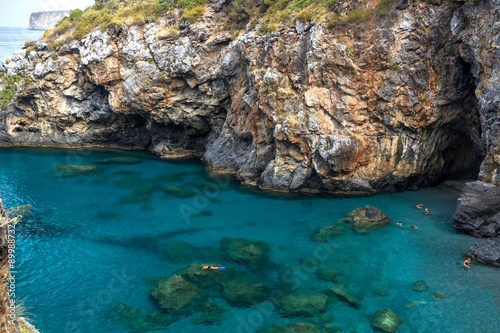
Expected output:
(465, 153)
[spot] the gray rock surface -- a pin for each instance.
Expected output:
(478, 210)
(487, 252)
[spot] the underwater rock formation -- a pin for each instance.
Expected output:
(420, 286)
(251, 253)
(487, 252)
(345, 295)
(326, 234)
(74, 170)
(385, 320)
(19, 211)
(291, 328)
(367, 219)
(303, 304)
(177, 296)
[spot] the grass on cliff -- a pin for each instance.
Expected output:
(270, 13)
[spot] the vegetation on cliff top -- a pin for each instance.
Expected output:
(271, 14)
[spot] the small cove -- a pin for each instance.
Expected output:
(98, 238)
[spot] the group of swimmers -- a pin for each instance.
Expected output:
(426, 211)
(419, 206)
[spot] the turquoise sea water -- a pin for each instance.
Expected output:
(90, 243)
(12, 39)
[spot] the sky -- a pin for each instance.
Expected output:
(16, 13)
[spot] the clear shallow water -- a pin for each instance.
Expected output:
(84, 248)
(12, 39)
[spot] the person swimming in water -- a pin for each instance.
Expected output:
(426, 212)
(212, 267)
(419, 206)
(466, 263)
(399, 223)
(413, 226)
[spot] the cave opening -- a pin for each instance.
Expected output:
(465, 153)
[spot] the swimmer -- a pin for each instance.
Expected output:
(413, 226)
(212, 267)
(419, 206)
(426, 212)
(400, 224)
(466, 263)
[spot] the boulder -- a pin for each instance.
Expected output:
(19, 211)
(402, 4)
(206, 278)
(179, 192)
(251, 253)
(382, 292)
(487, 252)
(344, 294)
(384, 320)
(326, 234)
(178, 296)
(478, 210)
(420, 286)
(291, 328)
(367, 219)
(303, 304)
(120, 160)
(74, 170)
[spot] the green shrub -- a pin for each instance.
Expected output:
(238, 14)
(299, 4)
(395, 67)
(384, 6)
(6, 96)
(333, 22)
(29, 43)
(191, 15)
(29, 49)
(357, 15)
(75, 15)
(305, 16)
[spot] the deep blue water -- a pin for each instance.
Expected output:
(12, 39)
(84, 248)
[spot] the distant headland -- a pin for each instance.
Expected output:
(46, 20)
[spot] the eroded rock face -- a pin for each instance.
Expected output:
(46, 20)
(487, 252)
(394, 104)
(478, 210)
(385, 320)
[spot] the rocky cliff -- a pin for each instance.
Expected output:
(4, 273)
(46, 20)
(406, 100)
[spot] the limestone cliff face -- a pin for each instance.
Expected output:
(46, 20)
(404, 101)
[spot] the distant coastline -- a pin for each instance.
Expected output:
(46, 20)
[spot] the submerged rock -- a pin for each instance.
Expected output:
(344, 294)
(367, 219)
(206, 278)
(107, 215)
(170, 177)
(179, 192)
(420, 286)
(437, 296)
(478, 210)
(244, 291)
(19, 211)
(120, 160)
(74, 170)
(487, 252)
(138, 320)
(178, 296)
(382, 292)
(385, 320)
(291, 328)
(414, 304)
(128, 182)
(211, 313)
(326, 234)
(303, 304)
(251, 253)
(329, 275)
